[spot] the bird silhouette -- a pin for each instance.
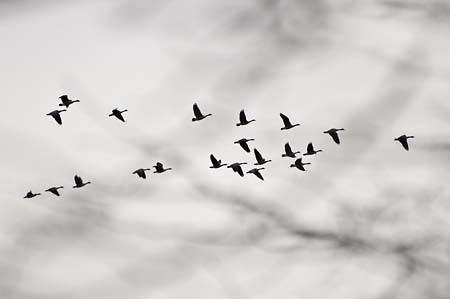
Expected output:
(334, 134)
(79, 182)
(159, 168)
(56, 116)
(237, 167)
(256, 172)
(404, 141)
(310, 150)
(30, 194)
(54, 190)
(243, 143)
(299, 164)
(243, 119)
(117, 113)
(198, 115)
(66, 102)
(141, 172)
(259, 158)
(287, 123)
(288, 151)
(215, 163)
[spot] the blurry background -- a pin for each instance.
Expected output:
(367, 220)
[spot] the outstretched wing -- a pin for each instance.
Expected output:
(213, 160)
(310, 148)
(64, 98)
(78, 180)
(242, 117)
(244, 145)
(286, 120)
(258, 156)
(404, 142)
(238, 169)
(258, 174)
(197, 112)
(142, 174)
(335, 136)
(287, 148)
(119, 116)
(57, 117)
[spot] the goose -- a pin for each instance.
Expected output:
(243, 143)
(79, 182)
(259, 158)
(66, 102)
(198, 115)
(159, 168)
(215, 163)
(287, 123)
(334, 134)
(310, 150)
(299, 164)
(141, 172)
(56, 116)
(30, 194)
(288, 151)
(243, 119)
(117, 113)
(256, 172)
(237, 167)
(54, 190)
(404, 141)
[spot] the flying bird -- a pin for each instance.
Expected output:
(141, 172)
(334, 134)
(287, 123)
(288, 151)
(79, 182)
(310, 150)
(117, 113)
(243, 119)
(260, 160)
(198, 115)
(54, 190)
(257, 173)
(243, 143)
(30, 194)
(404, 141)
(299, 164)
(237, 167)
(56, 116)
(66, 101)
(215, 163)
(159, 168)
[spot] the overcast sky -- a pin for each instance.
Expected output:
(379, 69)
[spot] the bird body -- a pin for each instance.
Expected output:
(243, 143)
(243, 119)
(260, 160)
(288, 151)
(117, 113)
(56, 115)
(236, 167)
(198, 115)
(66, 102)
(287, 122)
(30, 194)
(310, 150)
(334, 134)
(159, 168)
(215, 163)
(256, 172)
(299, 164)
(404, 141)
(79, 182)
(141, 172)
(54, 190)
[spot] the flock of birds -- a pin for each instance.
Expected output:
(216, 163)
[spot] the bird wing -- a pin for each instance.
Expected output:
(258, 156)
(142, 174)
(258, 174)
(335, 136)
(242, 117)
(197, 111)
(55, 191)
(244, 145)
(310, 148)
(78, 180)
(119, 116)
(238, 169)
(57, 117)
(287, 148)
(286, 120)
(404, 142)
(64, 98)
(213, 159)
